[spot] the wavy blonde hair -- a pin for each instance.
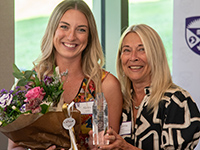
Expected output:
(92, 56)
(160, 73)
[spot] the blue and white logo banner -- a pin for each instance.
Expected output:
(192, 33)
(186, 47)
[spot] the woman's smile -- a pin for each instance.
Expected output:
(70, 45)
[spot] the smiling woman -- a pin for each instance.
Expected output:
(29, 29)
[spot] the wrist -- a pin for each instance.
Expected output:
(131, 147)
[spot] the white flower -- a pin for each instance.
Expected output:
(13, 107)
(0, 123)
(57, 70)
(5, 100)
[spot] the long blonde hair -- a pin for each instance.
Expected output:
(92, 56)
(160, 73)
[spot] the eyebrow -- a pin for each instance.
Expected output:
(125, 46)
(140, 45)
(129, 46)
(69, 24)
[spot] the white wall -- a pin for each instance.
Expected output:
(6, 51)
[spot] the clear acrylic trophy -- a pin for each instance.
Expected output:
(100, 120)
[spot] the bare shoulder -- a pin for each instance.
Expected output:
(111, 88)
(112, 92)
(110, 81)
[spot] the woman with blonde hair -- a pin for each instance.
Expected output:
(157, 114)
(71, 42)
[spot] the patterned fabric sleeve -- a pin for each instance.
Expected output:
(181, 126)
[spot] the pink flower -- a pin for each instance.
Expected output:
(34, 105)
(35, 93)
(34, 98)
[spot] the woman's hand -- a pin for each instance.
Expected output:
(90, 143)
(116, 142)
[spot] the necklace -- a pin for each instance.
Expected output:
(64, 73)
(136, 107)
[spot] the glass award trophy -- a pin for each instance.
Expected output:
(100, 120)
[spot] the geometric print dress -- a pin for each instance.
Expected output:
(175, 124)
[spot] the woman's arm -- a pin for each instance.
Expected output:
(112, 92)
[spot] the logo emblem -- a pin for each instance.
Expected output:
(192, 33)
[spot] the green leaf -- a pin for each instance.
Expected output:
(57, 93)
(18, 75)
(54, 70)
(37, 81)
(16, 69)
(22, 82)
(45, 108)
(61, 86)
(28, 74)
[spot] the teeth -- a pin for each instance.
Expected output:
(136, 67)
(69, 45)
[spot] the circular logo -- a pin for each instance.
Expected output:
(68, 123)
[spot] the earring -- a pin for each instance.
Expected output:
(123, 74)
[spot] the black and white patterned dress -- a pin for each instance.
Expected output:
(174, 125)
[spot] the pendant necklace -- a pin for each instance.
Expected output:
(64, 73)
(136, 107)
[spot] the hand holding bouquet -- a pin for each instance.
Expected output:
(27, 113)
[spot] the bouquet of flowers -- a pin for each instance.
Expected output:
(27, 110)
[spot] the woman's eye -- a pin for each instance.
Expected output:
(126, 51)
(82, 30)
(63, 26)
(141, 49)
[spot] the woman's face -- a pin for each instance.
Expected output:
(71, 36)
(134, 60)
